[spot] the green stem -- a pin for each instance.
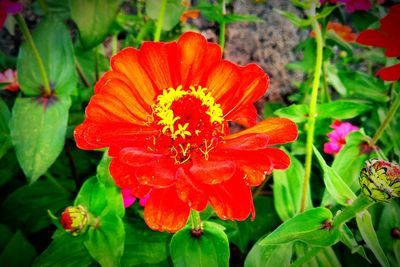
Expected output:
(157, 33)
(28, 37)
(43, 6)
(82, 74)
(389, 116)
(196, 220)
(222, 28)
(327, 96)
(114, 44)
(312, 110)
(359, 205)
(307, 257)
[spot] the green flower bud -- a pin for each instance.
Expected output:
(380, 180)
(74, 219)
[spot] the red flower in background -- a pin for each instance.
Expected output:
(8, 7)
(163, 112)
(337, 138)
(388, 37)
(351, 5)
(343, 31)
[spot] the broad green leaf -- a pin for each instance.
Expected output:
(230, 18)
(92, 196)
(144, 246)
(273, 255)
(53, 41)
(40, 139)
(327, 258)
(334, 80)
(348, 239)
(210, 249)
(297, 113)
(350, 160)
(18, 252)
(389, 220)
(294, 19)
(5, 236)
(326, 11)
(287, 188)
(242, 233)
(65, 250)
(99, 198)
(341, 109)
(26, 208)
(105, 241)
(94, 19)
(174, 10)
(366, 228)
(364, 86)
(5, 139)
(335, 185)
(308, 227)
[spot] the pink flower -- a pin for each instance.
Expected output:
(8, 80)
(337, 138)
(352, 5)
(8, 7)
(129, 199)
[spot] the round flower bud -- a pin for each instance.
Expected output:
(74, 219)
(380, 180)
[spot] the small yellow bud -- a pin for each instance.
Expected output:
(74, 219)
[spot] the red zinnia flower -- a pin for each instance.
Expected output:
(163, 111)
(388, 37)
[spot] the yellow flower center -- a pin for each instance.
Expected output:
(189, 121)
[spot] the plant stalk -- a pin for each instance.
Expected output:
(312, 110)
(196, 220)
(28, 37)
(222, 27)
(359, 205)
(157, 33)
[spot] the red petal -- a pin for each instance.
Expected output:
(159, 174)
(253, 85)
(198, 57)
(279, 131)
(137, 157)
(245, 142)
(212, 172)
(246, 116)
(391, 73)
(161, 62)
(91, 135)
(127, 63)
(190, 191)
(373, 38)
(164, 211)
(124, 177)
(232, 199)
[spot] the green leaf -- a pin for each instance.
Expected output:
(350, 160)
(273, 255)
(40, 139)
(144, 246)
(174, 9)
(307, 227)
(242, 233)
(105, 241)
(362, 85)
(5, 236)
(26, 208)
(103, 174)
(297, 113)
(364, 223)
(348, 239)
(287, 188)
(92, 196)
(18, 252)
(327, 258)
(230, 18)
(341, 109)
(294, 19)
(389, 220)
(335, 185)
(53, 41)
(65, 250)
(210, 249)
(5, 139)
(94, 19)
(334, 80)
(326, 11)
